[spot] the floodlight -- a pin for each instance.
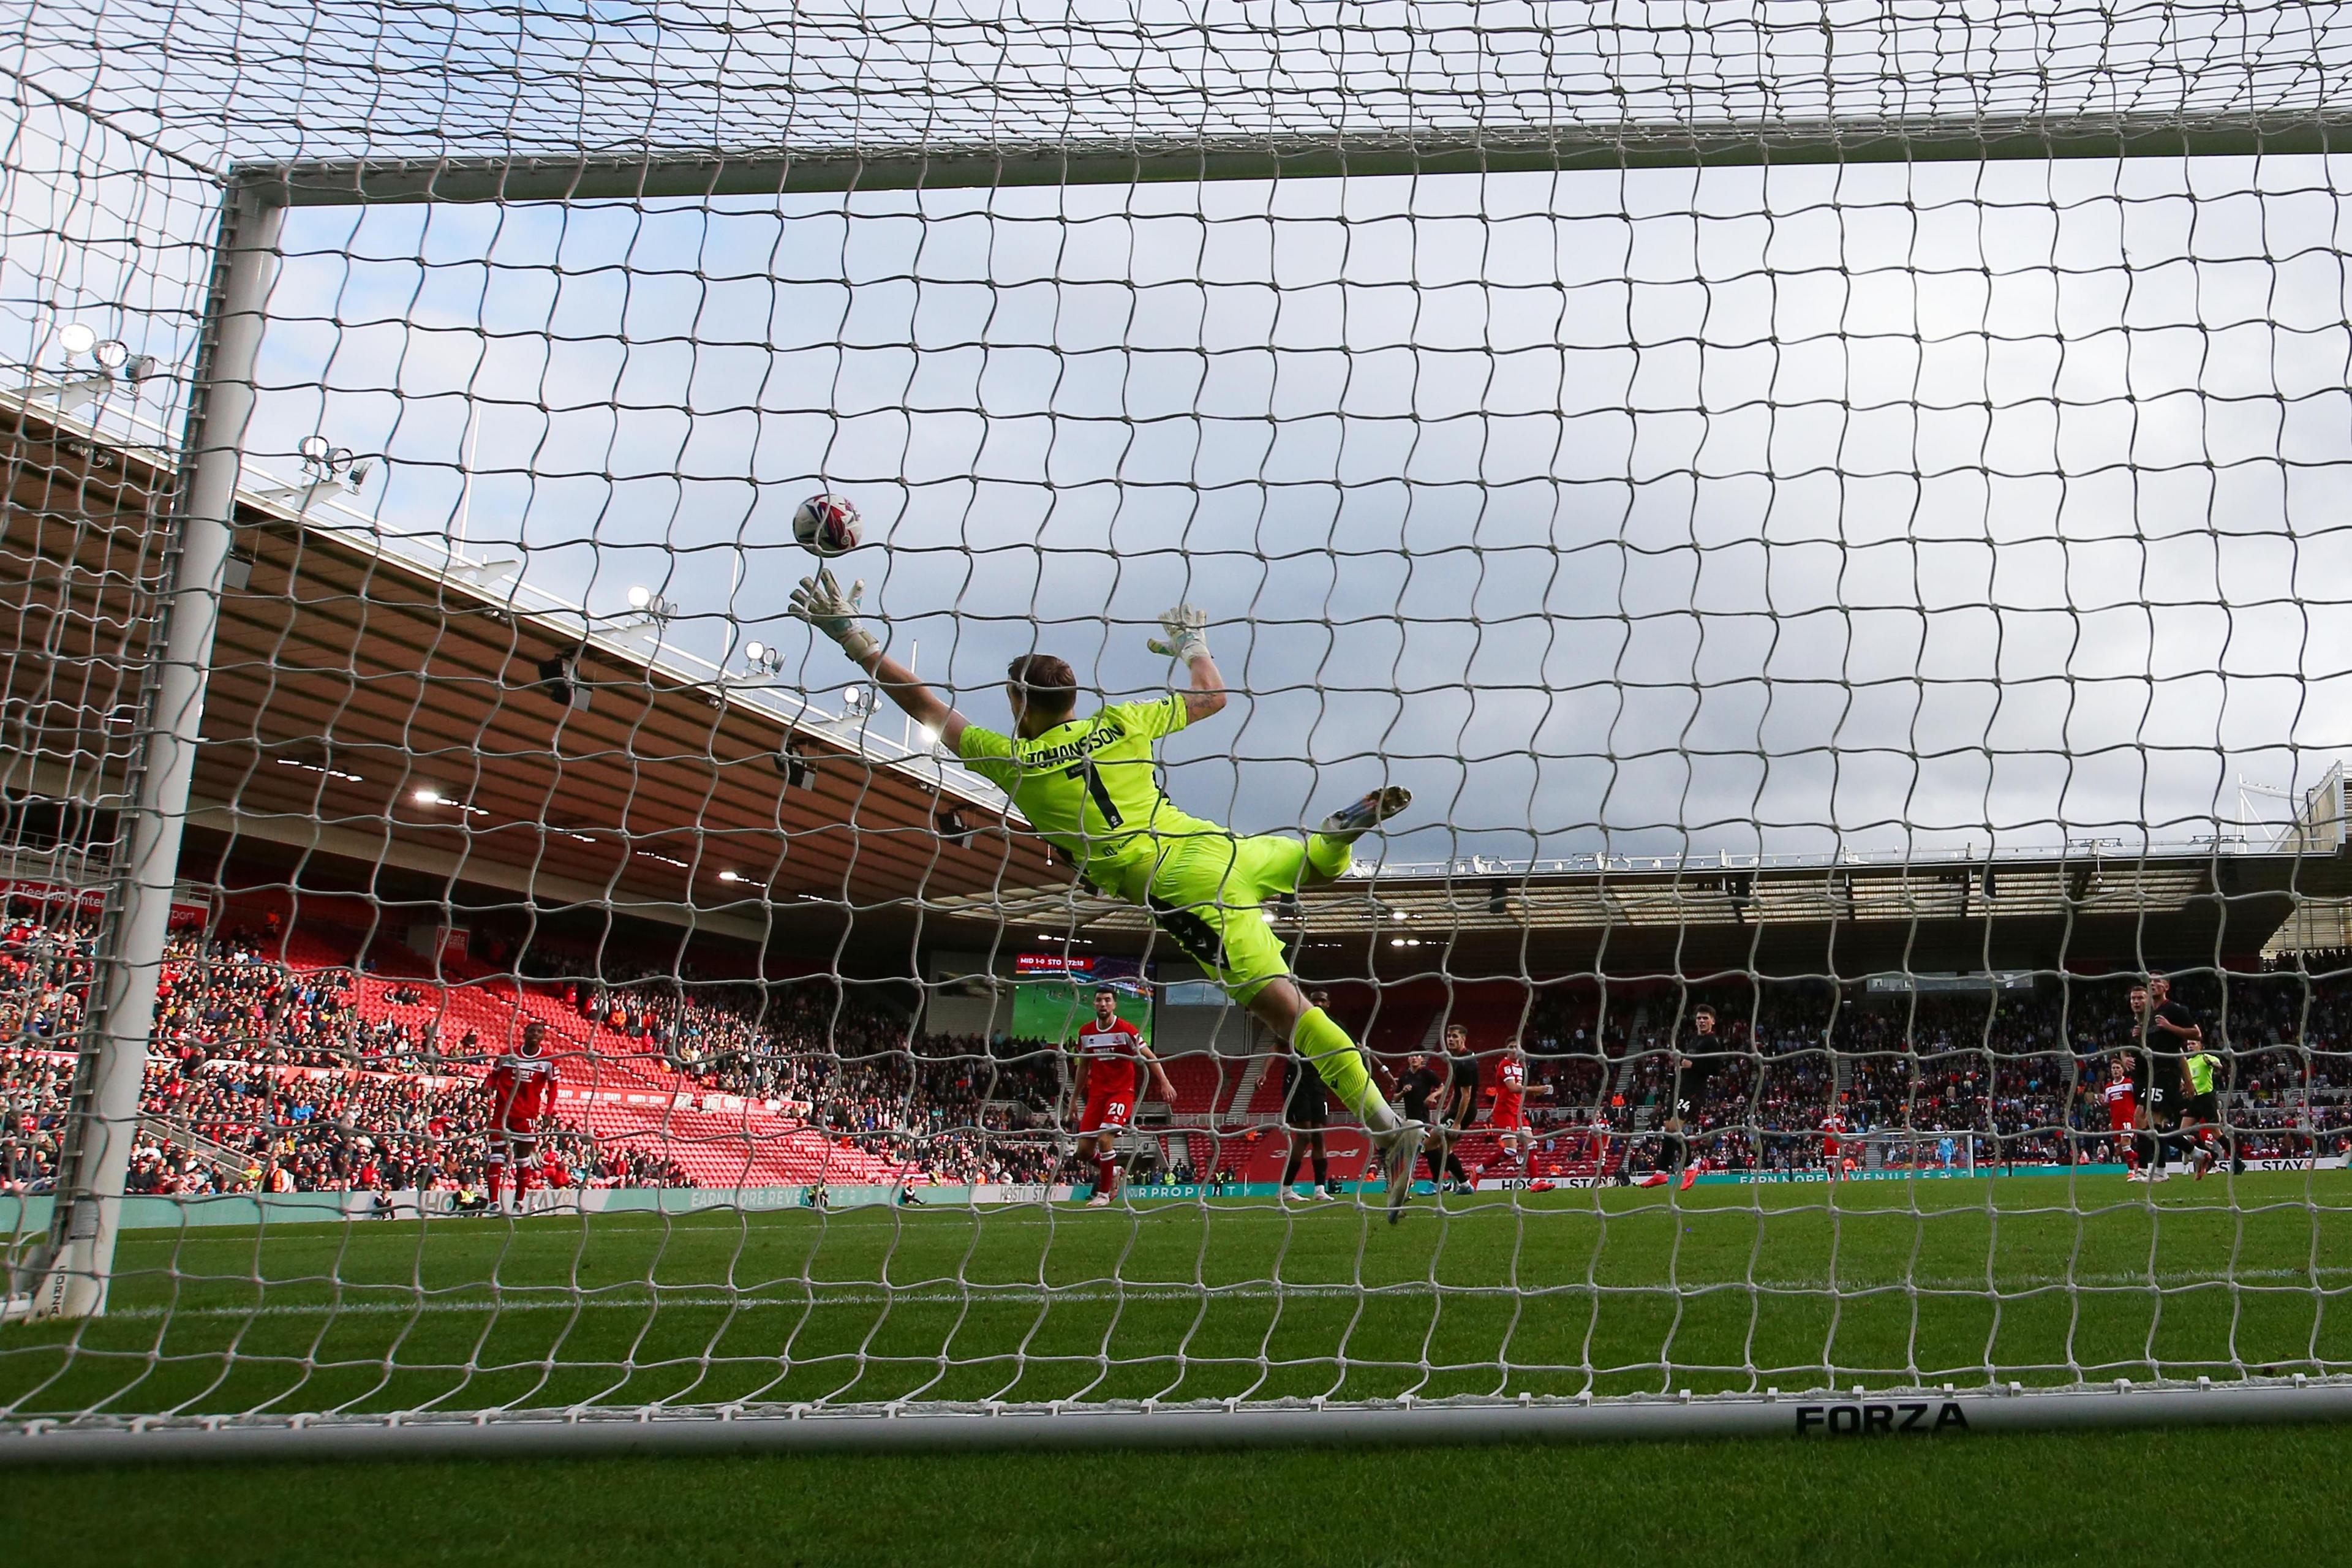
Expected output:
(762, 658)
(324, 463)
(653, 607)
(72, 391)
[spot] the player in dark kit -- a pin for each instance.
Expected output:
(1457, 1110)
(1423, 1078)
(1306, 1110)
(2167, 1032)
(1422, 1096)
(1691, 1069)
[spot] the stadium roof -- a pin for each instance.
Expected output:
(377, 721)
(2086, 910)
(375, 707)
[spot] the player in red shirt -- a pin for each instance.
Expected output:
(1833, 1133)
(1111, 1059)
(1509, 1116)
(2122, 1111)
(522, 1091)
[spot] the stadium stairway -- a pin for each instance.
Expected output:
(180, 1135)
(1257, 1073)
(610, 1087)
(466, 996)
(1621, 1083)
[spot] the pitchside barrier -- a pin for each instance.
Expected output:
(22, 1217)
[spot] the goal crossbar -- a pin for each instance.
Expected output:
(772, 170)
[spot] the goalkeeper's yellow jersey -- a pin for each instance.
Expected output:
(1090, 787)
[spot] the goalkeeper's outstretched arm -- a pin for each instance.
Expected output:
(820, 602)
(1187, 641)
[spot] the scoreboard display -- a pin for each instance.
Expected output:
(1054, 994)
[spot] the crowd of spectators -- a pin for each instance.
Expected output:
(343, 1131)
(2008, 1076)
(266, 1077)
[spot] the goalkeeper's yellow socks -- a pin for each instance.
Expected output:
(1342, 1065)
(1329, 856)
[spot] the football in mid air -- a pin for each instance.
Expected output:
(826, 524)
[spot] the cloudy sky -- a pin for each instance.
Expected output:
(1876, 506)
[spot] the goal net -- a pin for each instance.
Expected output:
(1834, 513)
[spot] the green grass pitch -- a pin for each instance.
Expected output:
(2247, 1495)
(2041, 1279)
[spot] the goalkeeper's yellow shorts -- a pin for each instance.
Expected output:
(1207, 894)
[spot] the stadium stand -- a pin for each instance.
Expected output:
(340, 1071)
(316, 1060)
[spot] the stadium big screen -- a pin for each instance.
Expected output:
(1053, 995)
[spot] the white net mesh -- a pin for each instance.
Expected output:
(1881, 600)
(345, 81)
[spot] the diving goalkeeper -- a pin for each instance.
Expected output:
(1089, 787)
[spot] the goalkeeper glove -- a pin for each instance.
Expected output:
(1188, 635)
(820, 602)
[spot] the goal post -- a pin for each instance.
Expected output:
(525, 747)
(68, 1277)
